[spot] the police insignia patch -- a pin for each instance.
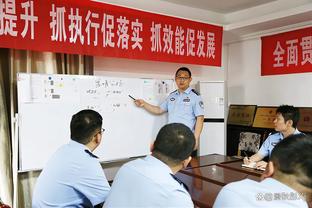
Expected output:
(172, 99)
(201, 104)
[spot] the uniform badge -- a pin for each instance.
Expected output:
(201, 104)
(274, 143)
(172, 99)
(186, 100)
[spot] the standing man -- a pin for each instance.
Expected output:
(285, 123)
(150, 181)
(73, 177)
(183, 105)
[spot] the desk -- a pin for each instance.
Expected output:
(216, 174)
(210, 160)
(206, 176)
(203, 192)
(237, 166)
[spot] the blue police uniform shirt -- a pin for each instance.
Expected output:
(270, 142)
(147, 182)
(73, 177)
(250, 193)
(183, 107)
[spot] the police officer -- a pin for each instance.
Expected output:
(150, 181)
(285, 123)
(287, 180)
(183, 105)
(73, 177)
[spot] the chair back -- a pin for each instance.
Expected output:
(249, 142)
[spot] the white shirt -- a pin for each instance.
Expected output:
(147, 182)
(267, 193)
(73, 177)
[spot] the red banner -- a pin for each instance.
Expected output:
(98, 29)
(286, 53)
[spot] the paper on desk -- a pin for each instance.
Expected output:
(250, 165)
(253, 165)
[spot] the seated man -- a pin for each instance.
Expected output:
(285, 123)
(287, 183)
(73, 177)
(150, 181)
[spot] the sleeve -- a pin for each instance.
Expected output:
(265, 147)
(164, 105)
(199, 107)
(93, 183)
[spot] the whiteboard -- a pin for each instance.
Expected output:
(212, 94)
(46, 104)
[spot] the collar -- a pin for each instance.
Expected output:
(81, 146)
(272, 182)
(154, 160)
(187, 91)
(295, 132)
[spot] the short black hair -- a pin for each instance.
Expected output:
(84, 124)
(289, 112)
(183, 69)
(293, 156)
(174, 143)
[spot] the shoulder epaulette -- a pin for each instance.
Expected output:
(173, 92)
(273, 132)
(90, 153)
(197, 93)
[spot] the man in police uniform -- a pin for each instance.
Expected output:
(150, 181)
(183, 105)
(285, 123)
(287, 180)
(73, 177)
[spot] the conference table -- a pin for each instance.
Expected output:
(204, 176)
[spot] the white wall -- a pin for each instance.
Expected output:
(119, 67)
(150, 69)
(247, 86)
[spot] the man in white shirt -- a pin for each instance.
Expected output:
(150, 181)
(73, 177)
(285, 123)
(287, 181)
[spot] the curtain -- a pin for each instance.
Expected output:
(30, 62)
(6, 184)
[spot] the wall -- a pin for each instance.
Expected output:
(160, 70)
(247, 86)
(150, 69)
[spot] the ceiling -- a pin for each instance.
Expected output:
(241, 19)
(221, 6)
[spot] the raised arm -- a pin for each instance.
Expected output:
(149, 107)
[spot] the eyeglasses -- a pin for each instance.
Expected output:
(183, 78)
(101, 131)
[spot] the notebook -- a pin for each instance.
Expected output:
(252, 165)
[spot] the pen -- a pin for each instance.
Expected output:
(246, 155)
(132, 97)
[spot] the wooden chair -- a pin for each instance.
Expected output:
(249, 142)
